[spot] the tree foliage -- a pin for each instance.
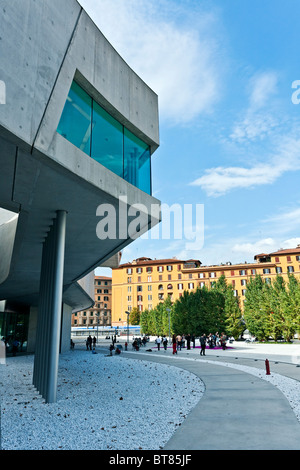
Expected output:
(273, 310)
(196, 312)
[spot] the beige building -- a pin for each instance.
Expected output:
(144, 282)
(100, 313)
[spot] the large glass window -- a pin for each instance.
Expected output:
(89, 127)
(107, 142)
(75, 123)
(136, 161)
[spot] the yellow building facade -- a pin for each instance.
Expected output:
(144, 282)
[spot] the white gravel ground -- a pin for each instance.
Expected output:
(106, 403)
(102, 403)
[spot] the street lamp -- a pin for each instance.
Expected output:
(127, 313)
(169, 310)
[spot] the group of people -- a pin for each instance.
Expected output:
(180, 341)
(138, 342)
(90, 343)
(211, 341)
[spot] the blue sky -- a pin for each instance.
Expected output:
(229, 131)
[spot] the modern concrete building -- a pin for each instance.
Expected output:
(77, 131)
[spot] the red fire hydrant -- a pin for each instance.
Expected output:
(267, 367)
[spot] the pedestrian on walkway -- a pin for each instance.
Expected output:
(223, 341)
(89, 343)
(165, 342)
(158, 341)
(174, 344)
(188, 341)
(202, 344)
(179, 342)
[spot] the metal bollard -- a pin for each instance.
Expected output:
(267, 367)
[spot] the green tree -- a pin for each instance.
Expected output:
(255, 313)
(134, 317)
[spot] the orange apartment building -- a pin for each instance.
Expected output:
(144, 282)
(102, 310)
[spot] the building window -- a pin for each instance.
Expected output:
(243, 282)
(202, 284)
(253, 271)
(201, 275)
(191, 285)
(180, 286)
(290, 269)
(139, 288)
(243, 272)
(129, 270)
(169, 268)
(278, 270)
(160, 269)
(149, 288)
(267, 271)
(93, 130)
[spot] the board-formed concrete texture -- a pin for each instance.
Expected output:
(44, 46)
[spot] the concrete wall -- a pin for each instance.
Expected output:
(33, 43)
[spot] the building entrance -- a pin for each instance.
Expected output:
(14, 322)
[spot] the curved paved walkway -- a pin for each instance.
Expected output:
(238, 411)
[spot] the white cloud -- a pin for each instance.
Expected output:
(219, 181)
(179, 61)
(263, 87)
(258, 121)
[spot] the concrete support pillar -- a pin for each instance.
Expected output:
(50, 310)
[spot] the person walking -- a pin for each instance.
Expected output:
(179, 342)
(158, 341)
(202, 344)
(188, 341)
(165, 342)
(174, 344)
(223, 341)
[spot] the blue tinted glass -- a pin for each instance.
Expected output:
(75, 122)
(90, 128)
(137, 166)
(107, 140)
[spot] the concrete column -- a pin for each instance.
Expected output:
(50, 310)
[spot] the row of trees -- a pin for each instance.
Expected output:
(271, 310)
(196, 312)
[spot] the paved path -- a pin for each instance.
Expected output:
(238, 411)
